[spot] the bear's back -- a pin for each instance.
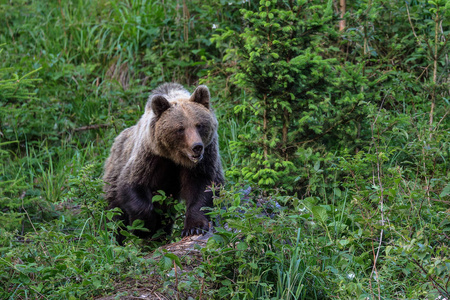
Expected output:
(118, 158)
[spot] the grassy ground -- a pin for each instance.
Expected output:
(369, 224)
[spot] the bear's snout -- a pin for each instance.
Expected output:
(197, 152)
(197, 148)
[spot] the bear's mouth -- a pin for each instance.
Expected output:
(196, 158)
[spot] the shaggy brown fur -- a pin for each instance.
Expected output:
(173, 148)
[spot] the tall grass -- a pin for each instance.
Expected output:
(366, 225)
(291, 274)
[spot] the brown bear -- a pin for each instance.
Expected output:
(173, 148)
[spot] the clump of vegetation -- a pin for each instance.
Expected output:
(333, 130)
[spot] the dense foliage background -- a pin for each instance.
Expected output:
(334, 134)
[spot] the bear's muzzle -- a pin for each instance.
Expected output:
(197, 152)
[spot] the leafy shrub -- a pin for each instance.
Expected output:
(340, 136)
(297, 94)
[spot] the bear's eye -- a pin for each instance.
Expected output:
(200, 127)
(180, 130)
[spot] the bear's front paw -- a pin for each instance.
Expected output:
(195, 227)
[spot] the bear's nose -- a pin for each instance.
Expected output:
(197, 148)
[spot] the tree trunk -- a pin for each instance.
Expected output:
(265, 128)
(342, 5)
(435, 58)
(285, 133)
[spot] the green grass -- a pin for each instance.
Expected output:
(366, 224)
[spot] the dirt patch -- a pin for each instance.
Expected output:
(153, 286)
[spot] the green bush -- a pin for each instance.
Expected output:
(296, 94)
(335, 146)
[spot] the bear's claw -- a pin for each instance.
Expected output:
(193, 231)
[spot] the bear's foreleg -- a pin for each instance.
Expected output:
(196, 194)
(136, 203)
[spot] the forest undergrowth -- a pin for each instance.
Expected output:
(334, 136)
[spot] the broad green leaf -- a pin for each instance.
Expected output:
(320, 213)
(445, 191)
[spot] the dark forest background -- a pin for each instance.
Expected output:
(334, 135)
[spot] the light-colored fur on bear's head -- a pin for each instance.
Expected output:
(171, 91)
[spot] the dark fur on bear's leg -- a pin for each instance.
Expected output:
(173, 148)
(196, 190)
(139, 209)
(138, 206)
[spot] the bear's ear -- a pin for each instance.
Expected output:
(201, 95)
(159, 105)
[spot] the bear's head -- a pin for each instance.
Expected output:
(182, 127)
